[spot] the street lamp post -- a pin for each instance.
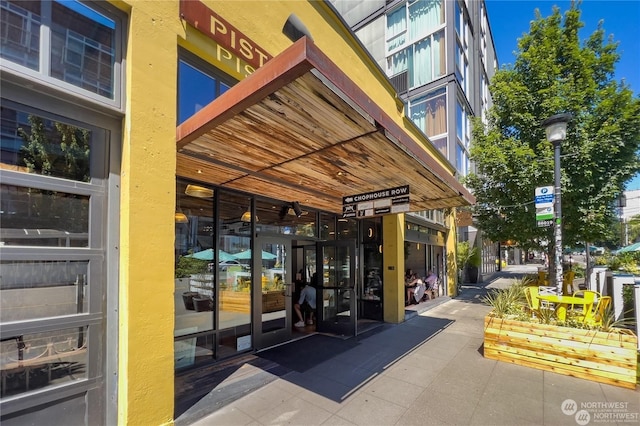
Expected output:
(556, 130)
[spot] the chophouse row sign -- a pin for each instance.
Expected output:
(385, 201)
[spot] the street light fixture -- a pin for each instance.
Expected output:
(555, 128)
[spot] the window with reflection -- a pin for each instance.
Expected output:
(285, 217)
(199, 83)
(42, 289)
(34, 144)
(21, 35)
(35, 361)
(83, 47)
(36, 217)
(327, 226)
(194, 274)
(79, 40)
(370, 293)
(347, 229)
(234, 269)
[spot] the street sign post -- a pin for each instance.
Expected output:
(544, 200)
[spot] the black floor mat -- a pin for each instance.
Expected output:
(306, 353)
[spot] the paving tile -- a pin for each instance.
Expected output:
(366, 409)
(229, 415)
(337, 421)
(436, 408)
(294, 411)
(558, 387)
(509, 401)
(393, 390)
(406, 371)
(321, 386)
(261, 401)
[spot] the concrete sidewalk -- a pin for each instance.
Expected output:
(427, 370)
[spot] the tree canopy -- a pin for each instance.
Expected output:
(555, 72)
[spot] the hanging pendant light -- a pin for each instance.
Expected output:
(181, 217)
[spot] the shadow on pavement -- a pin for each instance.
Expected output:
(335, 368)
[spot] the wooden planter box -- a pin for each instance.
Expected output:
(235, 301)
(240, 301)
(588, 354)
(272, 301)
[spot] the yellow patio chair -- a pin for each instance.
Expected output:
(578, 311)
(595, 316)
(533, 304)
(567, 282)
(542, 278)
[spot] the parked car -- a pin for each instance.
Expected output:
(224, 265)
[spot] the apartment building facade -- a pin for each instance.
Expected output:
(440, 57)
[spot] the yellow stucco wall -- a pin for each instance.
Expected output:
(146, 311)
(145, 357)
(450, 247)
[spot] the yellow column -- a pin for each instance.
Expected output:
(450, 247)
(146, 302)
(393, 267)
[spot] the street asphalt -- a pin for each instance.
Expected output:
(428, 370)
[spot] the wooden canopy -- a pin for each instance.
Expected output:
(299, 129)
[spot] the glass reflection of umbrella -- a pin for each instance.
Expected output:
(631, 248)
(207, 254)
(245, 255)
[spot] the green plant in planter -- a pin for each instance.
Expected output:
(628, 301)
(508, 301)
(187, 266)
(464, 255)
(611, 325)
(625, 262)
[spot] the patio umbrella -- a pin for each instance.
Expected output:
(247, 255)
(630, 248)
(207, 254)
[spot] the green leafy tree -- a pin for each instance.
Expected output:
(632, 229)
(555, 72)
(62, 150)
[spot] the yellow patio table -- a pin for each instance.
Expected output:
(562, 302)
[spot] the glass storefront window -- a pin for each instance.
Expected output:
(31, 362)
(327, 227)
(36, 217)
(194, 271)
(281, 217)
(235, 272)
(370, 293)
(347, 229)
(42, 289)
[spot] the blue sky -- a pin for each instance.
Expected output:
(509, 19)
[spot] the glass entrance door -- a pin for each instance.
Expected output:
(272, 289)
(336, 287)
